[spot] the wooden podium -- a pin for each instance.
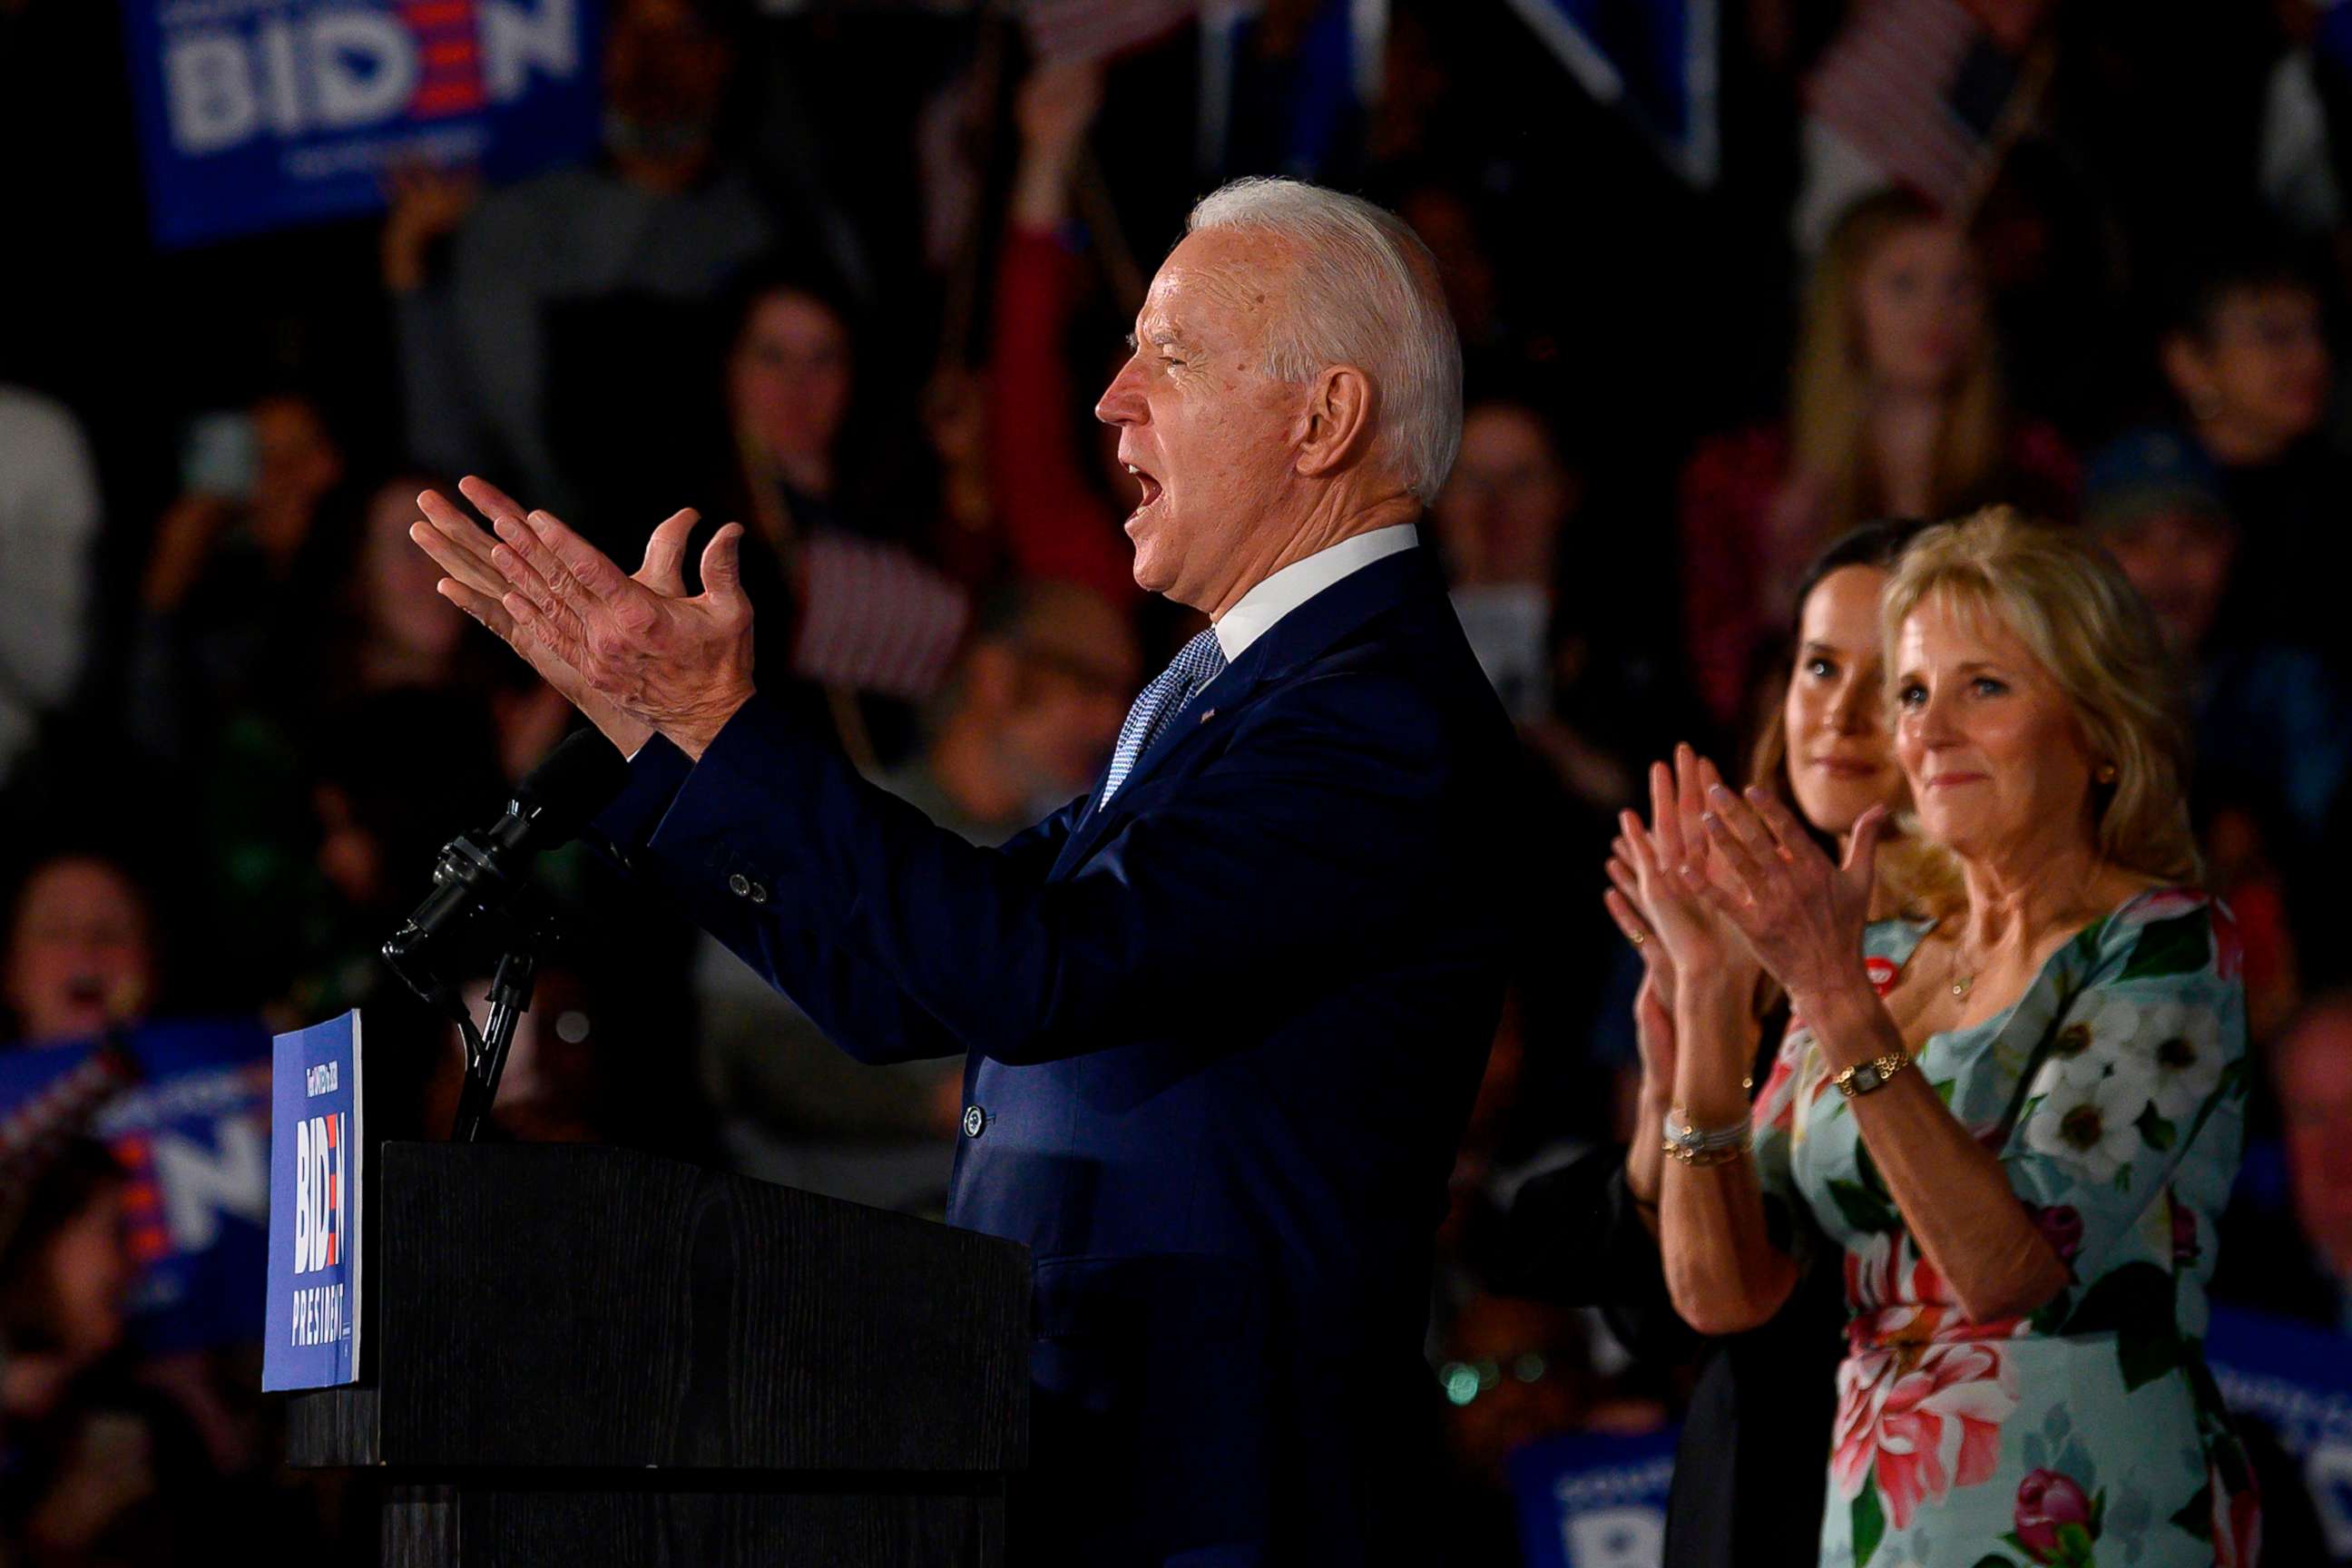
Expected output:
(581, 1355)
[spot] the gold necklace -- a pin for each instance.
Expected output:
(1960, 982)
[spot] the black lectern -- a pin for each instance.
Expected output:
(581, 1356)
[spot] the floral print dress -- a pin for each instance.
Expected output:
(2089, 1432)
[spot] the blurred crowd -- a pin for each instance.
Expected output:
(853, 276)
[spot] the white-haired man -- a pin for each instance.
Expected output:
(1224, 1016)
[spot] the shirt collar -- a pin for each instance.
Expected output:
(1275, 597)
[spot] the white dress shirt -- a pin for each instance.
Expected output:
(1301, 580)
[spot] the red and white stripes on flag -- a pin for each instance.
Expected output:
(1885, 86)
(1068, 32)
(875, 618)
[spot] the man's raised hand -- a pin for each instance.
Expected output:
(597, 650)
(681, 664)
(463, 551)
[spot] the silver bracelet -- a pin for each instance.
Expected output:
(1702, 1141)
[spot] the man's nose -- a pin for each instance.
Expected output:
(1122, 400)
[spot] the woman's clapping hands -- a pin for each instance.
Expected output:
(1762, 873)
(1687, 948)
(1651, 899)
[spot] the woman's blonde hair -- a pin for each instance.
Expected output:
(2079, 616)
(1831, 394)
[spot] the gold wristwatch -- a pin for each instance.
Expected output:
(1864, 1076)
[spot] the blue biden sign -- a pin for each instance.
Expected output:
(311, 1331)
(258, 113)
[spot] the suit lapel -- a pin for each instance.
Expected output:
(1289, 643)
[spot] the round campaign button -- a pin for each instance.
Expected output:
(974, 1119)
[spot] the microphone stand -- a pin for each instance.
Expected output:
(486, 1053)
(526, 932)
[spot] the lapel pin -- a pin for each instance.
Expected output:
(1208, 714)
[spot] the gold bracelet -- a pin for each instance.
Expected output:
(1689, 1155)
(1862, 1078)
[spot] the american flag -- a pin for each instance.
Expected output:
(1066, 32)
(875, 618)
(1918, 88)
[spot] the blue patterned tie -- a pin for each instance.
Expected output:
(1195, 665)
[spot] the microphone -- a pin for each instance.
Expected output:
(482, 873)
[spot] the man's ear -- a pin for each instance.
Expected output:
(1337, 425)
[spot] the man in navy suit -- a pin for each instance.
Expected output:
(1222, 1018)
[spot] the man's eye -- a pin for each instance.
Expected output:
(1911, 695)
(1821, 670)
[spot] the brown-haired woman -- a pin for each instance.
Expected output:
(2036, 1118)
(1897, 409)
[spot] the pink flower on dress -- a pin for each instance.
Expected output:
(1889, 1271)
(2046, 1501)
(1924, 1419)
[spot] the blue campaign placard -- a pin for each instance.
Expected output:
(311, 1335)
(2295, 1379)
(191, 1127)
(1594, 1500)
(255, 114)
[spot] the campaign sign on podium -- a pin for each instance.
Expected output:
(312, 1326)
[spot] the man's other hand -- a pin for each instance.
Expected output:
(680, 665)
(463, 551)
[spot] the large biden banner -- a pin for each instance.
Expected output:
(254, 114)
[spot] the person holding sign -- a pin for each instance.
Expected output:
(1223, 1017)
(2021, 1149)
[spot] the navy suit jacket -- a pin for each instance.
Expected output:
(1222, 1037)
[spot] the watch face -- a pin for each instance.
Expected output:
(1865, 1078)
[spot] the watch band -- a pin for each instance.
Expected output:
(1864, 1077)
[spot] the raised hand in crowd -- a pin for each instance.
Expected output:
(426, 204)
(637, 654)
(259, 474)
(1055, 108)
(185, 537)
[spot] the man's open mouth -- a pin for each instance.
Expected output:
(1149, 486)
